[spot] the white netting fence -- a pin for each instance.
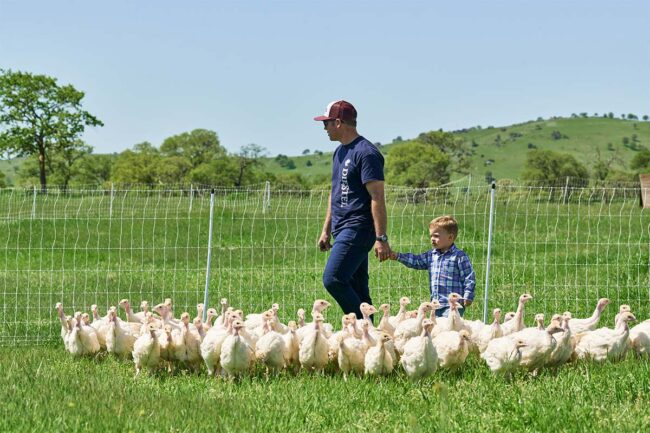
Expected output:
(567, 245)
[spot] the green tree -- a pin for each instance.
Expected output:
(197, 147)
(62, 165)
(552, 167)
(454, 147)
(139, 165)
(416, 164)
(221, 171)
(641, 161)
(94, 169)
(602, 167)
(247, 159)
(173, 169)
(37, 116)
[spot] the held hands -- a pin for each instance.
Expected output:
(324, 243)
(466, 303)
(382, 251)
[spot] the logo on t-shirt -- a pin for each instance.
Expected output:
(345, 188)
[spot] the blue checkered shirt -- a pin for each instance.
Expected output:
(449, 272)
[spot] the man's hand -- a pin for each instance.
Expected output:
(324, 242)
(393, 255)
(382, 250)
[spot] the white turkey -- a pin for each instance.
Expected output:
(640, 338)
(453, 321)
(508, 316)
(624, 308)
(589, 324)
(503, 355)
(312, 352)
(165, 313)
(211, 314)
(221, 320)
(452, 348)
(119, 335)
(420, 358)
(198, 328)
(187, 344)
(540, 343)
(291, 345)
(63, 320)
(237, 356)
(605, 343)
(517, 322)
(410, 328)
(82, 339)
(212, 343)
(352, 352)
(334, 341)
(488, 333)
(384, 323)
(146, 350)
(379, 360)
(401, 314)
(270, 348)
(565, 343)
(167, 347)
(130, 315)
(319, 306)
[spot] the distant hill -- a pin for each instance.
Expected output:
(502, 150)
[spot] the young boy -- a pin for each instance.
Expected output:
(449, 267)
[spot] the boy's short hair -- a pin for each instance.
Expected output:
(445, 222)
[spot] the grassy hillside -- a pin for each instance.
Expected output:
(505, 157)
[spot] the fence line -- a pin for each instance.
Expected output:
(566, 245)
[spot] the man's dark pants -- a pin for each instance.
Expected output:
(346, 272)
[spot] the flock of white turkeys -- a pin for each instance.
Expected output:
(229, 345)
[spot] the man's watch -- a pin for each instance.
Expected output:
(381, 238)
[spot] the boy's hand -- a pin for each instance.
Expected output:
(393, 255)
(467, 303)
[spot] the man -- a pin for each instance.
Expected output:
(356, 212)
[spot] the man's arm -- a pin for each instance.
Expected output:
(378, 208)
(324, 243)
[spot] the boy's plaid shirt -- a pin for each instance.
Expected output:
(449, 272)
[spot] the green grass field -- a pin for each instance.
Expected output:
(567, 251)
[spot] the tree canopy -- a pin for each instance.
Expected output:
(552, 167)
(418, 165)
(40, 117)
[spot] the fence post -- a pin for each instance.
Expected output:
(110, 211)
(207, 271)
(489, 250)
(191, 196)
(266, 198)
(34, 204)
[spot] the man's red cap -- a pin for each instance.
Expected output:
(339, 110)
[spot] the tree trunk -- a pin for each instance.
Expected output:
(41, 167)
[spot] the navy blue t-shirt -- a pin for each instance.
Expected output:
(353, 166)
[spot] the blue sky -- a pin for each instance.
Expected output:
(258, 71)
